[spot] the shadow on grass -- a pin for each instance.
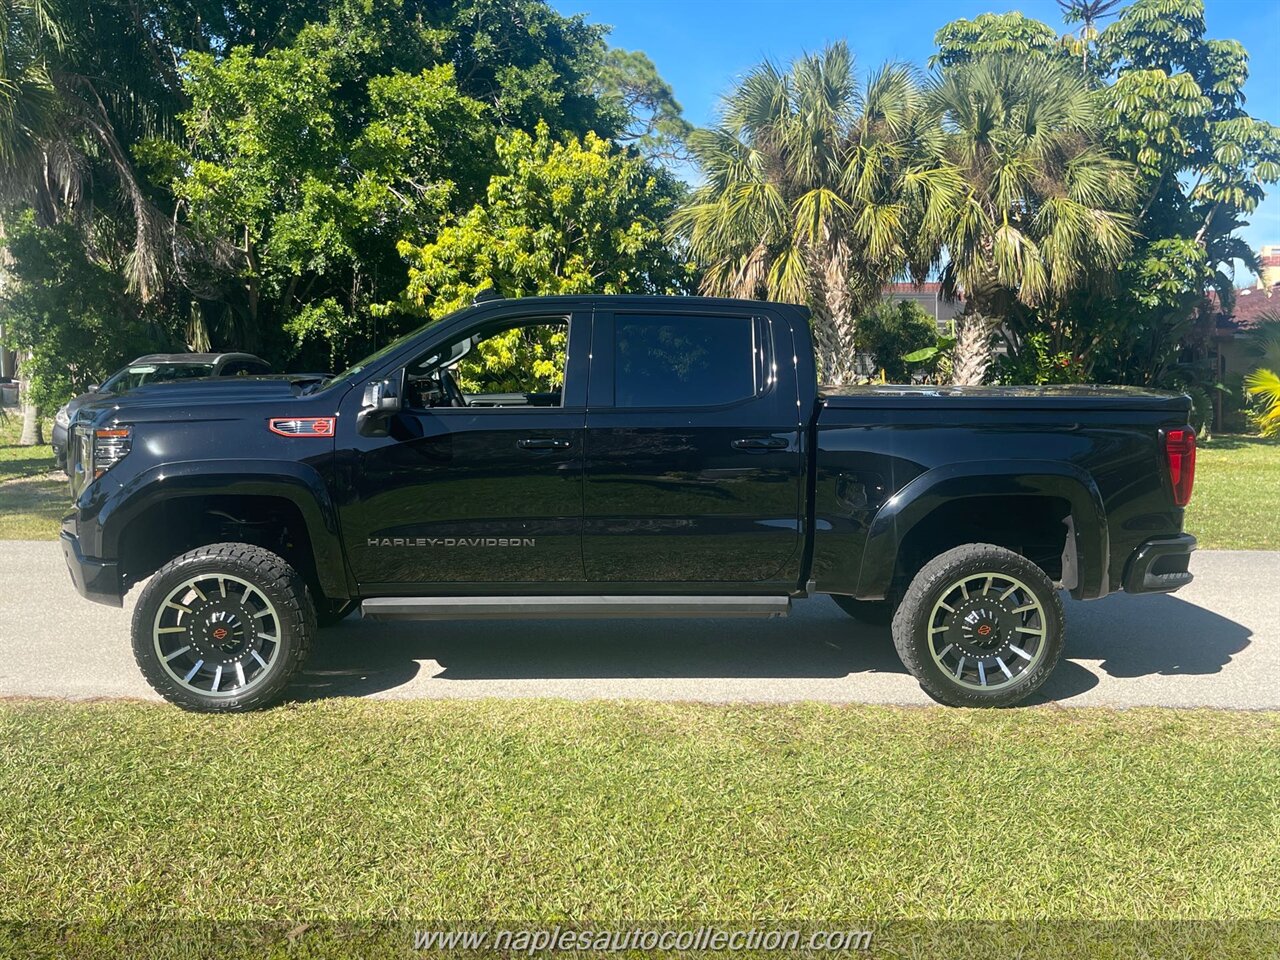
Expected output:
(1131, 636)
(1238, 441)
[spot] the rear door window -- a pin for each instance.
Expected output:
(688, 360)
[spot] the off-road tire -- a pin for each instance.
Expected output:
(877, 613)
(270, 576)
(911, 624)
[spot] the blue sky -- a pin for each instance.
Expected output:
(700, 46)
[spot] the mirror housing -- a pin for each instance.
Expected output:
(92, 388)
(382, 398)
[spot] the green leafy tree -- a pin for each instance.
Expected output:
(818, 189)
(1263, 383)
(653, 119)
(1011, 35)
(560, 217)
(891, 332)
(63, 311)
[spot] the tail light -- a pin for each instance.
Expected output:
(1180, 458)
(109, 447)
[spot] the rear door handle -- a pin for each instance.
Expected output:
(543, 443)
(760, 443)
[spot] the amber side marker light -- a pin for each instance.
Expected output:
(1180, 458)
(302, 426)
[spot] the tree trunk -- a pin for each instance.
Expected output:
(32, 429)
(834, 319)
(32, 434)
(972, 355)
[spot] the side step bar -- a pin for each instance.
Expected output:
(555, 608)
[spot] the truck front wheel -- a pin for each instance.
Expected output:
(223, 628)
(980, 626)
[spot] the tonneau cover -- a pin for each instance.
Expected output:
(1066, 397)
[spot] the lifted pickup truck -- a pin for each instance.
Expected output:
(671, 457)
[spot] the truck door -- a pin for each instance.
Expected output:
(478, 478)
(694, 448)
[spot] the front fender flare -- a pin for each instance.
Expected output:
(1088, 545)
(298, 483)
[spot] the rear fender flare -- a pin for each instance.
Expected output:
(296, 482)
(1088, 544)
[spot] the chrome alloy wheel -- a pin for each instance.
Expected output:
(217, 635)
(986, 630)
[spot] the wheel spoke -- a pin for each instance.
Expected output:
(217, 629)
(977, 617)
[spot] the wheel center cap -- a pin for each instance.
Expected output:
(980, 627)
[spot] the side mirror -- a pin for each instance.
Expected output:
(381, 396)
(92, 388)
(381, 399)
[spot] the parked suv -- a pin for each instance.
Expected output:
(155, 368)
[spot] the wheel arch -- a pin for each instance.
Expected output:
(1041, 487)
(167, 508)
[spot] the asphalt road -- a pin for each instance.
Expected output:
(1214, 644)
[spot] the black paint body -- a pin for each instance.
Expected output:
(793, 489)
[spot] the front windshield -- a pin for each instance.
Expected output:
(349, 374)
(135, 375)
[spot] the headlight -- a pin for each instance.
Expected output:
(61, 418)
(110, 446)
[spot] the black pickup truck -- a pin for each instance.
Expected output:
(633, 456)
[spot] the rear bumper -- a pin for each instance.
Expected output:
(96, 580)
(1160, 566)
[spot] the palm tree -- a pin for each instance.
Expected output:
(817, 189)
(1087, 13)
(1042, 209)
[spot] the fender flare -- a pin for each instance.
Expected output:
(1087, 555)
(296, 482)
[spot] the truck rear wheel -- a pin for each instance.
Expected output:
(223, 628)
(980, 626)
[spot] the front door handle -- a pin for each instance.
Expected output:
(760, 443)
(543, 443)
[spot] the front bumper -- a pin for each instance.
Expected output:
(96, 580)
(1160, 566)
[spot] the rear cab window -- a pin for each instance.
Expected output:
(685, 360)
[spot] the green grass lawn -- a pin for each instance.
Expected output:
(33, 494)
(358, 815)
(1236, 501)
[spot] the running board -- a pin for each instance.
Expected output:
(557, 608)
